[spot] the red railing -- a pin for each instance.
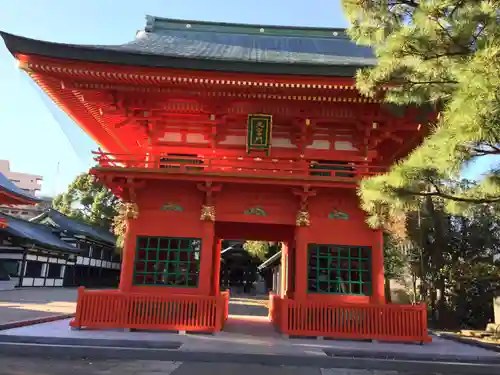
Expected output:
(343, 321)
(113, 309)
(247, 166)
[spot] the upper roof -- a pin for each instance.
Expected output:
(65, 223)
(218, 46)
(15, 195)
(39, 234)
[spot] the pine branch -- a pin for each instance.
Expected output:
(490, 150)
(410, 3)
(413, 83)
(440, 194)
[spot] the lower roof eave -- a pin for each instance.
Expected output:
(18, 45)
(161, 174)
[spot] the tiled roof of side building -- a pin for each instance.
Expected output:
(219, 46)
(39, 234)
(271, 262)
(11, 189)
(73, 226)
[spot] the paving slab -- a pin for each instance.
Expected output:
(14, 365)
(35, 303)
(242, 338)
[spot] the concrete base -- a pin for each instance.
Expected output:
(259, 345)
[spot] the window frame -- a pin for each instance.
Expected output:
(162, 273)
(339, 257)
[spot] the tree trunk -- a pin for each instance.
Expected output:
(387, 289)
(440, 245)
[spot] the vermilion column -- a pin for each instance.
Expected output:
(301, 242)
(291, 269)
(128, 256)
(284, 271)
(216, 267)
(206, 256)
(378, 291)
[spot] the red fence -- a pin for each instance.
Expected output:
(247, 166)
(343, 321)
(113, 309)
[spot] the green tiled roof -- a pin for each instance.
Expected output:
(219, 46)
(36, 233)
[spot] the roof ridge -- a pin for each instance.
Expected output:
(155, 23)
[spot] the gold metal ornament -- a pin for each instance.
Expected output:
(131, 210)
(303, 219)
(207, 213)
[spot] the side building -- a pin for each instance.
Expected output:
(98, 263)
(32, 255)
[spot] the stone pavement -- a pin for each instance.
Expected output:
(56, 366)
(35, 303)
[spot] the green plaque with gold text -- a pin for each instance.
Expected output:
(259, 133)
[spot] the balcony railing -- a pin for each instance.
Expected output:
(405, 323)
(114, 309)
(244, 166)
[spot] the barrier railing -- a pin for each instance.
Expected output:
(377, 322)
(247, 166)
(113, 309)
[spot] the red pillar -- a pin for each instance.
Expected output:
(301, 242)
(284, 271)
(128, 256)
(291, 269)
(206, 257)
(216, 267)
(378, 291)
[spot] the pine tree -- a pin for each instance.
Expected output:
(444, 54)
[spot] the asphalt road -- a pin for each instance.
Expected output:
(10, 365)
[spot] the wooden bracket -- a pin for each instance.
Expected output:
(209, 188)
(304, 196)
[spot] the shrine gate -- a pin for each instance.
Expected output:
(232, 131)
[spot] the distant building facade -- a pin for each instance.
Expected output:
(30, 183)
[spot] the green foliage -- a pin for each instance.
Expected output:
(88, 200)
(395, 259)
(444, 54)
(448, 261)
(258, 249)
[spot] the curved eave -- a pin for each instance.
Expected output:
(26, 46)
(10, 198)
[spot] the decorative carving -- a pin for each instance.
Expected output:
(335, 214)
(208, 207)
(131, 210)
(303, 219)
(169, 206)
(207, 213)
(256, 211)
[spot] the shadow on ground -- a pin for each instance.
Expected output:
(28, 304)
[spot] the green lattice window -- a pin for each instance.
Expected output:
(167, 261)
(339, 269)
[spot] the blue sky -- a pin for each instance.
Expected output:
(35, 136)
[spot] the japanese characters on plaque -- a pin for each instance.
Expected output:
(259, 133)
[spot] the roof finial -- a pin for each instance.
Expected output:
(150, 23)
